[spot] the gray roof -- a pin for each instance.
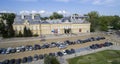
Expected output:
(19, 20)
(36, 20)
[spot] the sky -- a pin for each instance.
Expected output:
(66, 7)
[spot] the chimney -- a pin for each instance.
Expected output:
(33, 16)
(22, 16)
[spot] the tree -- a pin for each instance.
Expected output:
(7, 29)
(115, 62)
(93, 16)
(116, 22)
(103, 23)
(44, 18)
(27, 32)
(55, 15)
(20, 34)
(51, 60)
(2, 26)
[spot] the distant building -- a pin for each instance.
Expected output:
(72, 24)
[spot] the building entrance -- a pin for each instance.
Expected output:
(67, 31)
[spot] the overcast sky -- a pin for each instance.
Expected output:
(46, 7)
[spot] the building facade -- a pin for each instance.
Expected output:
(67, 25)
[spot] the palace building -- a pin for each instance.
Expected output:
(67, 25)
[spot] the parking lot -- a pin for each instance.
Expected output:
(47, 50)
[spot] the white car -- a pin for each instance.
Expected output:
(18, 49)
(8, 50)
(64, 52)
(62, 46)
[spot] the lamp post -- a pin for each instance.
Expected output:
(40, 26)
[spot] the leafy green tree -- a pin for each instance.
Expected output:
(51, 60)
(44, 18)
(93, 16)
(55, 15)
(103, 23)
(116, 22)
(115, 62)
(20, 34)
(27, 32)
(7, 29)
(2, 26)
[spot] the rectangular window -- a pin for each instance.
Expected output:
(80, 30)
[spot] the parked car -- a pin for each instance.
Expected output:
(12, 61)
(68, 51)
(72, 50)
(29, 59)
(8, 50)
(3, 51)
(5, 61)
(64, 52)
(41, 56)
(37, 46)
(13, 50)
(18, 49)
(28, 48)
(36, 57)
(51, 54)
(18, 61)
(62, 46)
(24, 60)
(59, 54)
(108, 44)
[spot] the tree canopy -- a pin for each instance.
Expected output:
(101, 23)
(6, 28)
(93, 19)
(55, 15)
(51, 60)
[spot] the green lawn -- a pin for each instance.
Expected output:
(103, 57)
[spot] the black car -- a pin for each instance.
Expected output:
(1, 63)
(51, 54)
(13, 50)
(18, 61)
(68, 42)
(59, 54)
(94, 46)
(36, 57)
(22, 49)
(68, 51)
(72, 50)
(110, 43)
(92, 39)
(107, 44)
(45, 46)
(37, 46)
(1, 49)
(41, 56)
(12, 61)
(5, 61)
(24, 60)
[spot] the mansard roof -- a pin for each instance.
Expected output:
(71, 19)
